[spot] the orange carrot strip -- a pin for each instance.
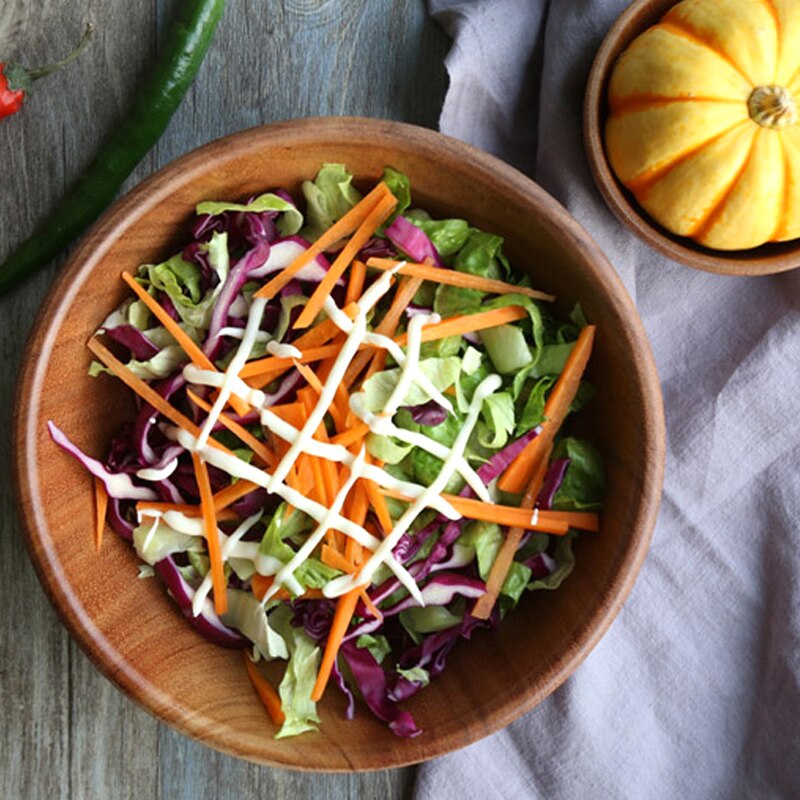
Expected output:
(261, 583)
(315, 383)
(555, 522)
(467, 323)
(230, 494)
(256, 445)
(518, 473)
(279, 363)
(451, 326)
(100, 509)
(269, 697)
(351, 435)
(378, 502)
(305, 475)
(371, 607)
(147, 393)
(334, 559)
(358, 274)
(376, 217)
(197, 356)
(505, 556)
(453, 277)
(314, 337)
(212, 535)
(344, 227)
(341, 621)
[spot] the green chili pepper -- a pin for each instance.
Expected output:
(153, 106)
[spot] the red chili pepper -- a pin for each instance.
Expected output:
(16, 81)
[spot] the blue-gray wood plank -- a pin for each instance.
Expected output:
(65, 731)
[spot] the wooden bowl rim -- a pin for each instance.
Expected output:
(123, 215)
(767, 259)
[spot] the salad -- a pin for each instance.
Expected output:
(350, 447)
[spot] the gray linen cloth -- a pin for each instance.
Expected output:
(695, 690)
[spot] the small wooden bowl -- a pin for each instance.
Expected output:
(136, 635)
(763, 260)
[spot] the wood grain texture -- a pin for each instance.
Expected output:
(763, 260)
(65, 730)
(153, 654)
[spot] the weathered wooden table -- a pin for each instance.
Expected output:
(66, 732)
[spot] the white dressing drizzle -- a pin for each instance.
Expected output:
(345, 583)
(240, 469)
(238, 333)
(283, 350)
(302, 441)
(409, 367)
(234, 368)
(383, 426)
(285, 575)
(153, 474)
(340, 365)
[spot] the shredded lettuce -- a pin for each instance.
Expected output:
(400, 187)
(418, 621)
(328, 198)
(497, 412)
(583, 487)
(507, 348)
(154, 545)
(246, 614)
(289, 223)
(299, 679)
(442, 372)
(486, 538)
(180, 280)
(312, 573)
(565, 561)
(448, 235)
(377, 645)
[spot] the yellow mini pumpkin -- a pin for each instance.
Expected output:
(703, 122)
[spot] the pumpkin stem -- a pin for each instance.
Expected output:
(772, 107)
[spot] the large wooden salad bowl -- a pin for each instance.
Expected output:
(132, 631)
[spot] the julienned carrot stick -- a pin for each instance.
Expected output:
(257, 446)
(358, 274)
(468, 323)
(452, 326)
(269, 697)
(351, 435)
(147, 393)
(333, 558)
(278, 363)
(505, 556)
(212, 535)
(230, 494)
(100, 509)
(377, 500)
(555, 522)
(453, 277)
(341, 620)
(345, 226)
(316, 384)
(376, 217)
(556, 408)
(196, 355)
(261, 583)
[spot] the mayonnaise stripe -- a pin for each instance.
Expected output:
(342, 585)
